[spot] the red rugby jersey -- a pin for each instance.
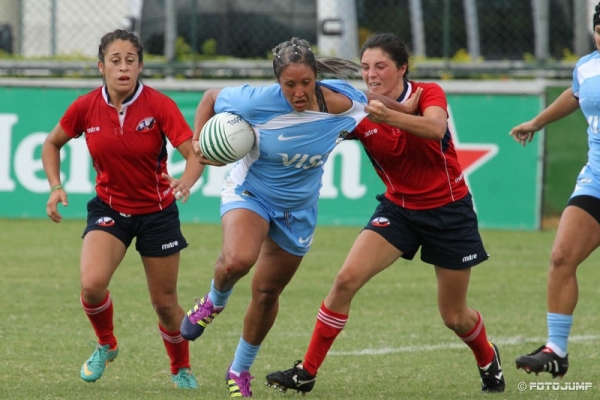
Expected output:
(418, 173)
(129, 149)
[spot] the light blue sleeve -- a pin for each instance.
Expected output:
(575, 85)
(346, 89)
(256, 104)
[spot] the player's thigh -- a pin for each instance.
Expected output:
(101, 254)
(274, 269)
(453, 285)
(577, 236)
(161, 278)
(244, 231)
(370, 254)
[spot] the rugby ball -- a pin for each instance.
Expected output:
(226, 138)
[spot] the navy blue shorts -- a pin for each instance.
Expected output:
(448, 236)
(589, 204)
(158, 234)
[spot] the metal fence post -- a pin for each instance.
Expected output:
(53, 27)
(472, 28)
(417, 28)
(337, 28)
(541, 25)
(170, 34)
(446, 34)
(582, 25)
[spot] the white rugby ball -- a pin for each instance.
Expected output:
(226, 138)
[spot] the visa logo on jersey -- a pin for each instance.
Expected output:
(304, 161)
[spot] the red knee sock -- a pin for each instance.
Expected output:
(329, 325)
(178, 349)
(477, 340)
(101, 317)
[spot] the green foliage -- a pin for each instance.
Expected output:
(463, 56)
(182, 49)
(209, 47)
(393, 347)
(569, 56)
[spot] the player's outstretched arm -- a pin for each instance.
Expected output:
(564, 105)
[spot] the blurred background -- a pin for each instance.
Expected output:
(499, 61)
(234, 38)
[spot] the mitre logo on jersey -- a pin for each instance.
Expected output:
(145, 124)
(370, 132)
(93, 129)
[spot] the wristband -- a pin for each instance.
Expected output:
(55, 188)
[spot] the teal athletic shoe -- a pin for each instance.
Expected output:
(93, 368)
(184, 379)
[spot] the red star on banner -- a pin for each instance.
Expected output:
(473, 155)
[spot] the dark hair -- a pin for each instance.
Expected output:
(596, 19)
(392, 45)
(120, 34)
(297, 51)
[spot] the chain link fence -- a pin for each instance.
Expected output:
(234, 38)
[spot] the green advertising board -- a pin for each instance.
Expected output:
(505, 178)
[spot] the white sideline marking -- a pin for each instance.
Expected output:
(508, 341)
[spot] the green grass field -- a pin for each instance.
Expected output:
(394, 345)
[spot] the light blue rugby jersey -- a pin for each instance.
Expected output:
(285, 166)
(586, 87)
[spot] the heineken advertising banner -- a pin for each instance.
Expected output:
(505, 178)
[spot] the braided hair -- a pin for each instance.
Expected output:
(596, 18)
(298, 51)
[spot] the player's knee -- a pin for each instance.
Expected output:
(346, 282)
(266, 297)
(235, 264)
(92, 293)
(561, 259)
(453, 321)
(165, 309)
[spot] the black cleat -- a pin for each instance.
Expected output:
(544, 360)
(294, 378)
(492, 378)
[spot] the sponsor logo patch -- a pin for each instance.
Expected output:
(380, 221)
(145, 124)
(105, 221)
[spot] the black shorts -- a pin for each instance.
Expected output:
(587, 203)
(448, 236)
(158, 234)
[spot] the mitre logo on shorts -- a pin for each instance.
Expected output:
(105, 221)
(145, 124)
(170, 245)
(380, 221)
